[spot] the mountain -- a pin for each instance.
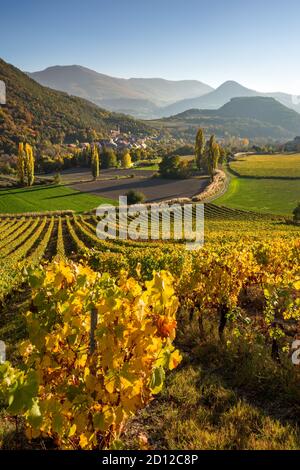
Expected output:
(34, 113)
(256, 117)
(217, 98)
(264, 109)
(142, 97)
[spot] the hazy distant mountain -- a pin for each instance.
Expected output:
(222, 95)
(146, 97)
(254, 117)
(141, 96)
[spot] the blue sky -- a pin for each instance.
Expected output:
(254, 42)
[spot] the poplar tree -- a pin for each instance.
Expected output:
(212, 155)
(29, 165)
(25, 164)
(200, 150)
(95, 164)
(21, 164)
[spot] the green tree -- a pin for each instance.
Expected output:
(212, 155)
(95, 163)
(136, 155)
(223, 155)
(296, 214)
(174, 167)
(108, 158)
(200, 150)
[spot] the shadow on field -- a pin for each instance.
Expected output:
(267, 177)
(29, 189)
(155, 189)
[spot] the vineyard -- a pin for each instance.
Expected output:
(238, 297)
(27, 240)
(149, 233)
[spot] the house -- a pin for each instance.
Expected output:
(114, 133)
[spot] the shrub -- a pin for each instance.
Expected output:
(135, 197)
(6, 169)
(57, 178)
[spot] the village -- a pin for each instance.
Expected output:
(119, 141)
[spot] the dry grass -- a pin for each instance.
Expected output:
(222, 397)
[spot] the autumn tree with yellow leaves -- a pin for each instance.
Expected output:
(25, 164)
(95, 162)
(126, 160)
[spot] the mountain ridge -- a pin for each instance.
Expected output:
(34, 112)
(221, 95)
(147, 98)
(245, 117)
(96, 87)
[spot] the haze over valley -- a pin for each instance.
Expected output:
(148, 98)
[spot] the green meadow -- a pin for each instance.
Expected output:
(264, 183)
(47, 198)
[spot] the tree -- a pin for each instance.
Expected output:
(212, 155)
(223, 155)
(136, 155)
(95, 163)
(29, 165)
(108, 158)
(245, 142)
(215, 155)
(126, 160)
(25, 165)
(200, 150)
(84, 156)
(21, 164)
(296, 213)
(174, 167)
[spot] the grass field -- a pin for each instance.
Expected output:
(154, 167)
(264, 183)
(46, 198)
(279, 165)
